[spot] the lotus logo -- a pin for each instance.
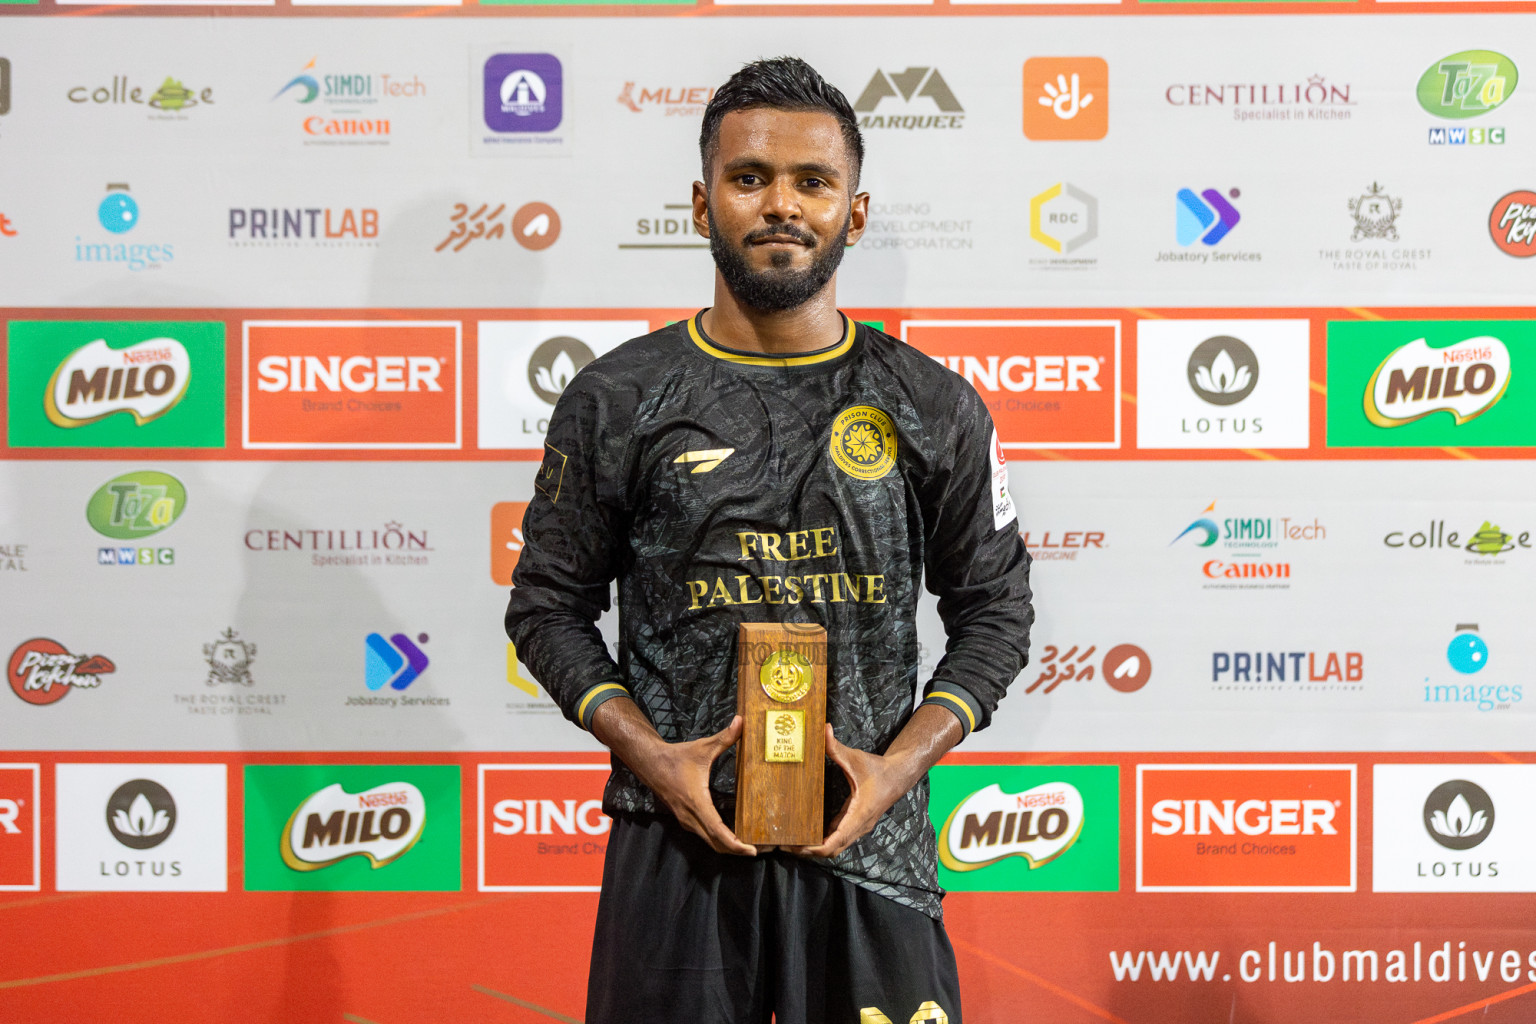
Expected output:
(554, 363)
(1458, 814)
(381, 823)
(1039, 824)
(1465, 379)
(141, 814)
(1223, 370)
(1467, 84)
(146, 380)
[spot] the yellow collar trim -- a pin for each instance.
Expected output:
(736, 357)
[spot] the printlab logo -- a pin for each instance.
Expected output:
(1064, 218)
(1066, 98)
(1458, 814)
(533, 226)
(229, 660)
(1125, 667)
(682, 101)
(134, 506)
(273, 227)
(1512, 224)
(42, 671)
(909, 86)
(169, 101)
(1222, 370)
(141, 814)
(118, 214)
(397, 661)
(523, 92)
(1466, 85)
(1206, 218)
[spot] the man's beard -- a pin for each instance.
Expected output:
(778, 288)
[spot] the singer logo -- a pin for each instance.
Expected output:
(1047, 383)
(20, 866)
(542, 827)
(334, 384)
(1066, 98)
(1245, 828)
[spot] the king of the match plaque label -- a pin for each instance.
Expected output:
(782, 698)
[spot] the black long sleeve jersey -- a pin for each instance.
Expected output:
(721, 487)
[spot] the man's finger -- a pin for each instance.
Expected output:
(718, 835)
(727, 736)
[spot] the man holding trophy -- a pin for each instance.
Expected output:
(769, 482)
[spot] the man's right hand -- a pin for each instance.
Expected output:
(678, 773)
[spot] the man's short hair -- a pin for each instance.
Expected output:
(780, 83)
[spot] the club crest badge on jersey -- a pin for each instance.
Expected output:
(864, 442)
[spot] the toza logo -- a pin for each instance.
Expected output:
(381, 824)
(908, 86)
(146, 380)
(1039, 825)
(141, 814)
(1458, 814)
(1223, 370)
(1206, 217)
(1467, 84)
(1465, 379)
(136, 505)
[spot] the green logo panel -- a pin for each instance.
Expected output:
(1467, 84)
(1027, 828)
(352, 828)
(115, 384)
(1431, 384)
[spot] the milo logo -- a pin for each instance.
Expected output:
(94, 381)
(136, 505)
(1039, 825)
(331, 825)
(1467, 84)
(1465, 379)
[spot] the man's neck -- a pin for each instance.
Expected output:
(814, 324)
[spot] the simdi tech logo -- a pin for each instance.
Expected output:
(1047, 383)
(542, 827)
(1466, 85)
(348, 104)
(1245, 828)
(20, 819)
(344, 384)
(123, 384)
(1453, 828)
(1020, 828)
(1430, 383)
(352, 828)
(1066, 98)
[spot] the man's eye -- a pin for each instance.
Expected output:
(747, 179)
(814, 183)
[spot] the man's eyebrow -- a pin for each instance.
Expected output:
(745, 163)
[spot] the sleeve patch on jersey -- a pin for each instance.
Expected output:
(1003, 511)
(551, 474)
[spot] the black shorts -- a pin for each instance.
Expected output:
(688, 934)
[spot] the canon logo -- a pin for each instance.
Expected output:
(355, 373)
(1026, 373)
(1250, 817)
(546, 817)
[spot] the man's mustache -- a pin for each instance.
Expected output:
(799, 234)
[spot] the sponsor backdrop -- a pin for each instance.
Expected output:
(291, 289)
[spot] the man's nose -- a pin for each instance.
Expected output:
(780, 201)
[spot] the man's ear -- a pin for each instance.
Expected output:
(858, 217)
(701, 209)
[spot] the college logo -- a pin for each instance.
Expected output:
(1453, 828)
(542, 827)
(1458, 814)
(682, 101)
(337, 384)
(352, 827)
(42, 671)
(1487, 542)
(1206, 218)
(229, 660)
(1008, 828)
(506, 539)
(1467, 84)
(145, 380)
(1464, 379)
(1245, 828)
(523, 92)
(1064, 218)
(534, 226)
(170, 99)
(1047, 383)
(863, 442)
(908, 86)
(1125, 667)
(526, 365)
(20, 840)
(1066, 98)
(396, 661)
(1375, 214)
(1512, 224)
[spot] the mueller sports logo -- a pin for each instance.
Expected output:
(1245, 828)
(145, 380)
(1512, 224)
(1465, 379)
(381, 824)
(1039, 825)
(542, 827)
(904, 89)
(1066, 98)
(671, 101)
(1047, 383)
(20, 840)
(42, 671)
(324, 384)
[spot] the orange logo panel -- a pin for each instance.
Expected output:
(351, 384)
(1048, 384)
(506, 539)
(1253, 828)
(1066, 98)
(18, 827)
(542, 827)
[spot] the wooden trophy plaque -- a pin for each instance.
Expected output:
(781, 695)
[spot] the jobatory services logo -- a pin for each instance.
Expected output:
(1487, 545)
(1066, 98)
(1512, 224)
(20, 821)
(534, 226)
(331, 227)
(398, 661)
(1064, 218)
(347, 108)
(1223, 384)
(141, 827)
(1453, 828)
(1245, 828)
(1466, 85)
(352, 384)
(98, 384)
(1254, 552)
(507, 539)
(542, 827)
(1429, 383)
(135, 506)
(43, 671)
(392, 545)
(170, 101)
(1021, 828)
(667, 100)
(525, 366)
(1125, 667)
(352, 828)
(917, 99)
(1315, 99)
(1466, 656)
(118, 214)
(1047, 383)
(1206, 218)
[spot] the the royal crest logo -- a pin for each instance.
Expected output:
(145, 380)
(1039, 825)
(1375, 215)
(863, 442)
(381, 824)
(1465, 379)
(42, 671)
(229, 660)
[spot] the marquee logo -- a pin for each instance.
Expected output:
(908, 86)
(1039, 825)
(1465, 379)
(542, 827)
(1512, 224)
(380, 824)
(1066, 98)
(136, 505)
(42, 671)
(145, 380)
(1467, 84)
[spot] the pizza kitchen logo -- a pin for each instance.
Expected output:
(379, 824)
(43, 671)
(1512, 224)
(1038, 825)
